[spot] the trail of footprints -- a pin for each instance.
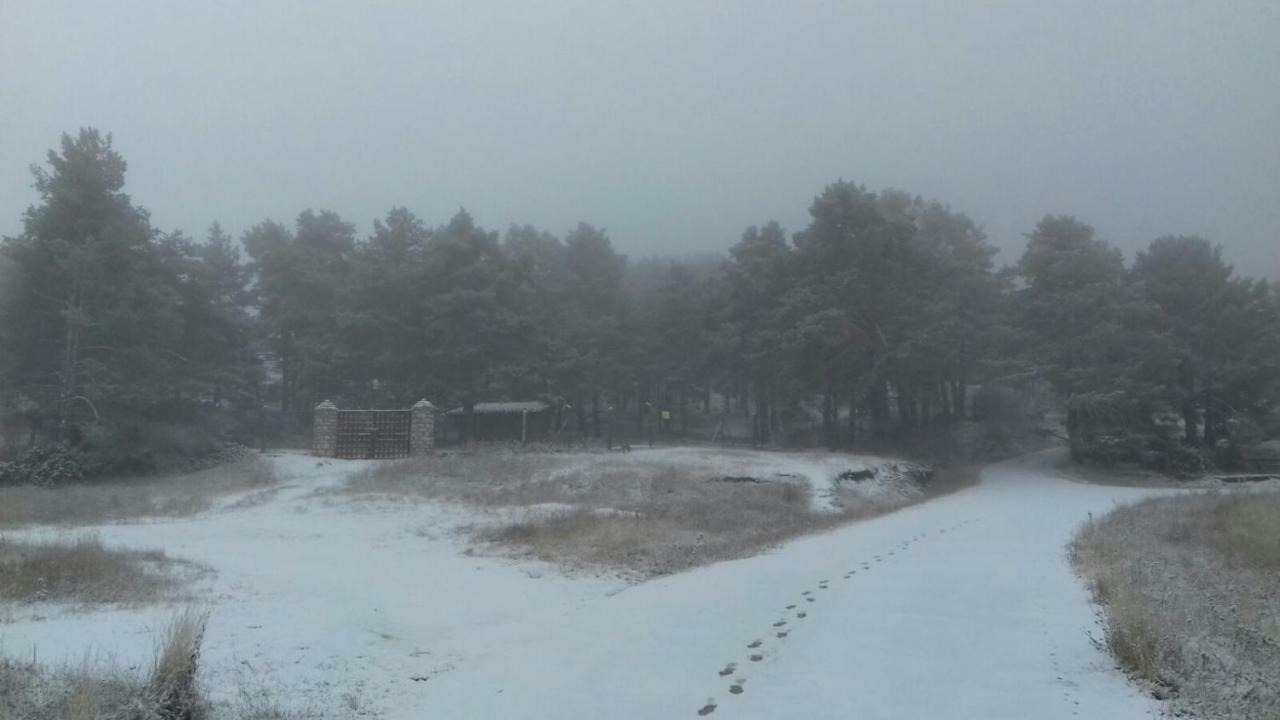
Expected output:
(780, 632)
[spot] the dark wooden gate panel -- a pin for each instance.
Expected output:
(376, 434)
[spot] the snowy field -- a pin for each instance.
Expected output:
(960, 607)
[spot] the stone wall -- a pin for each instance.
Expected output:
(422, 435)
(422, 429)
(324, 431)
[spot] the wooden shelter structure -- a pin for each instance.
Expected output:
(524, 421)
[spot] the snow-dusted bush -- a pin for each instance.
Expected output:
(44, 466)
(166, 495)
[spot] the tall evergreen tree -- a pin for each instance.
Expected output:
(91, 312)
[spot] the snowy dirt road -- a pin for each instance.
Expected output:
(962, 607)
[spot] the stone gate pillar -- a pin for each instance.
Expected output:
(422, 428)
(324, 430)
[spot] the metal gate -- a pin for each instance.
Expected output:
(373, 434)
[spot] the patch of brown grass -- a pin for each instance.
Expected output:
(82, 571)
(1248, 533)
(687, 522)
(162, 496)
(1188, 586)
(646, 516)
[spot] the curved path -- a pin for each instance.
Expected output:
(963, 607)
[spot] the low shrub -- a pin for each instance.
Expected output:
(1174, 459)
(44, 466)
(106, 500)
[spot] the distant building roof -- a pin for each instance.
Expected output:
(499, 408)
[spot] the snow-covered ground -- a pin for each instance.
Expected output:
(960, 607)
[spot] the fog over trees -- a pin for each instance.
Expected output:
(884, 322)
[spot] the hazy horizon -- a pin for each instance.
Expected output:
(673, 125)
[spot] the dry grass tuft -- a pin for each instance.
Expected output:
(163, 496)
(85, 692)
(82, 571)
(171, 691)
(1188, 589)
(98, 691)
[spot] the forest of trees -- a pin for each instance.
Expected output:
(883, 322)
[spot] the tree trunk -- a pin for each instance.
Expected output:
(74, 321)
(827, 417)
(774, 422)
(852, 437)
(762, 414)
(468, 420)
(595, 415)
(1213, 426)
(904, 409)
(287, 377)
(1190, 423)
(1190, 416)
(878, 401)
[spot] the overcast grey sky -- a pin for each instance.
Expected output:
(672, 123)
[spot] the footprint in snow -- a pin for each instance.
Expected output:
(791, 607)
(810, 599)
(780, 623)
(757, 658)
(807, 592)
(736, 688)
(782, 633)
(802, 614)
(707, 709)
(754, 644)
(728, 669)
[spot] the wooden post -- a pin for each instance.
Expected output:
(524, 426)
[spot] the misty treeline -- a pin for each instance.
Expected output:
(882, 323)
